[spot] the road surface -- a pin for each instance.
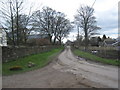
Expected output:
(103, 75)
(67, 71)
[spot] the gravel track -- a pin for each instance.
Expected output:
(67, 71)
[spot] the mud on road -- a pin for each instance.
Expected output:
(67, 71)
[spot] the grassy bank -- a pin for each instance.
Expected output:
(90, 56)
(39, 60)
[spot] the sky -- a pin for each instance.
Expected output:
(106, 13)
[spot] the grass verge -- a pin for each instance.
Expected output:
(40, 60)
(89, 56)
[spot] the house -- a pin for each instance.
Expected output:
(69, 43)
(117, 43)
(3, 38)
(109, 42)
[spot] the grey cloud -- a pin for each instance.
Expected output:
(108, 20)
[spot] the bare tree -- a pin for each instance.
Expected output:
(7, 16)
(63, 29)
(9, 10)
(24, 28)
(36, 20)
(87, 22)
(15, 22)
(57, 22)
(43, 21)
(47, 21)
(51, 23)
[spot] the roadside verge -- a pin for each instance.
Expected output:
(39, 61)
(95, 58)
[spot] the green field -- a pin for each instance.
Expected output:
(39, 60)
(90, 56)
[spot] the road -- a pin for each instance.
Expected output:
(67, 71)
(103, 75)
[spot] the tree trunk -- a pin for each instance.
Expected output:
(60, 41)
(54, 42)
(86, 39)
(12, 27)
(17, 24)
(50, 38)
(86, 43)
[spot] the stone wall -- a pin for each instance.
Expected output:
(12, 53)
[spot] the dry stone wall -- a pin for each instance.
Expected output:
(12, 53)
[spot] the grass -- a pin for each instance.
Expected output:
(40, 60)
(90, 56)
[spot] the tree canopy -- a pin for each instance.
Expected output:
(86, 20)
(45, 21)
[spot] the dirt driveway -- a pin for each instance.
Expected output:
(66, 72)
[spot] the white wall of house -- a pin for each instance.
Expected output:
(3, 38)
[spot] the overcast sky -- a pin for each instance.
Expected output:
(106, 12)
